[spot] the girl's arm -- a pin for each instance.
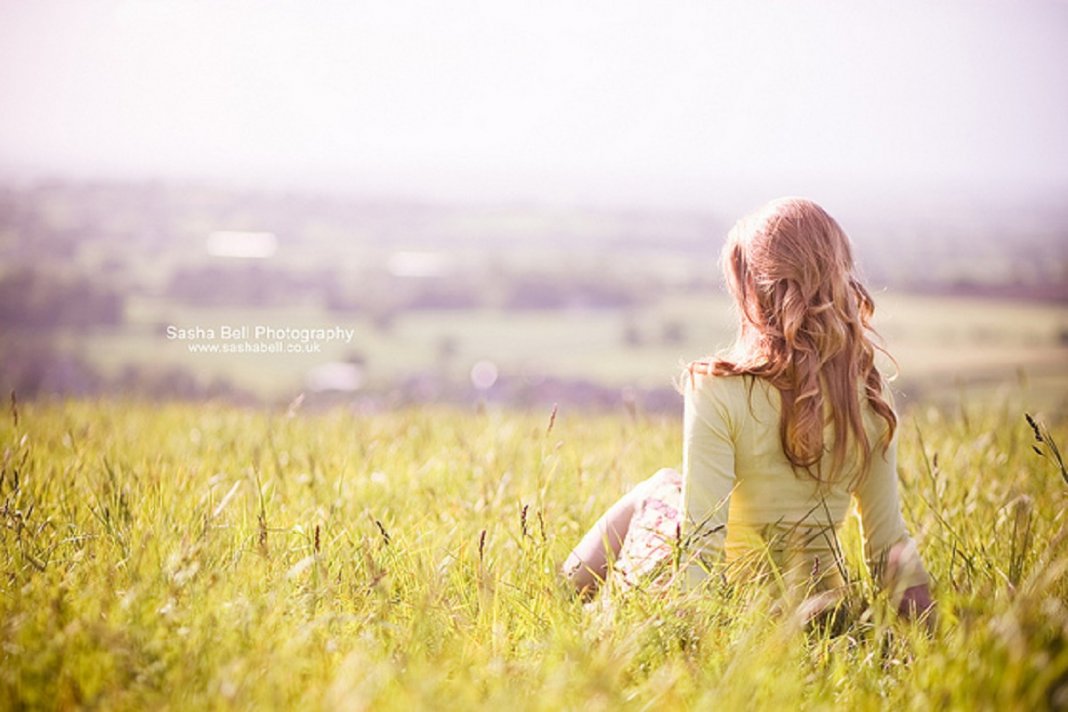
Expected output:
(707, 472)
(891, 552)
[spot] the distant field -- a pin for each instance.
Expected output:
(940, 343)
(78, 256)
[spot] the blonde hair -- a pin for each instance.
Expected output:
(804, 327)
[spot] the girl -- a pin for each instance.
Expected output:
(779, 435)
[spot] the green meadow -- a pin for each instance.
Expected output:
(209, 557)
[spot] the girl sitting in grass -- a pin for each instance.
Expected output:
(779, 435)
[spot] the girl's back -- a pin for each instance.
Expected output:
(738, 477)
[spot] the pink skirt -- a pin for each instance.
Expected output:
(653, 542)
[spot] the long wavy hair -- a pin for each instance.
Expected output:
(805, 321)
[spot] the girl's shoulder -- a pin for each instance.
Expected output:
(738, 400)
(702, 377)
(714, 369)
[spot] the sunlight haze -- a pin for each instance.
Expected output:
(659, 104)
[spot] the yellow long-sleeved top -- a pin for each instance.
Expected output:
(742, 498)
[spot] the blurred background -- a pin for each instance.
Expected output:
(509, 202)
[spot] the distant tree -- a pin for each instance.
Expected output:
(33, 366)
(448, 346)
(632, 335)
(33, 298)
(383, 317)
(673, 332)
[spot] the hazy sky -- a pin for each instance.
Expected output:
(655, 102)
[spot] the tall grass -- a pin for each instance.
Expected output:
(204, 557)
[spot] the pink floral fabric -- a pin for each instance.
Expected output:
(654, 537)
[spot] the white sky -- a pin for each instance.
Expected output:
(651, 102)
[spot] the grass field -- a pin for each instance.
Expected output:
(202, 557)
